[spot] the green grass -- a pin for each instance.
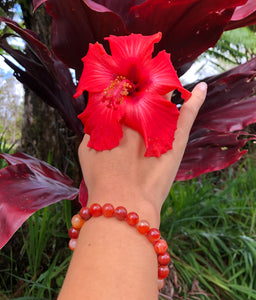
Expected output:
(210, 226)
(37, 257)
(4, 148)
(209, 223)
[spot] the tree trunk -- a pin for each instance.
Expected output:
(44, 133)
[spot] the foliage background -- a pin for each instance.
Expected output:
(216, 209)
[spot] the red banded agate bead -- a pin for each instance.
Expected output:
(73, 233)
(108, 210)
(95, 210)
(132, 218)
(153, 235)
(120, 213)
(164, 259)
(143, 227)
(163, 272)
(161, 246)
(85, 213)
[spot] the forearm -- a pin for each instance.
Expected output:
(106, 244)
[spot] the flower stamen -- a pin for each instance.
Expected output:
(118, 89)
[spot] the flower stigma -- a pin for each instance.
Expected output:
(118, 89)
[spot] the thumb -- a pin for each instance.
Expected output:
(189, 111)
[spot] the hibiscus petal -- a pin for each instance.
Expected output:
(102, 123)
(164, 77)
(155, 119)
(25, 188)
(133, 46)
(98, 70)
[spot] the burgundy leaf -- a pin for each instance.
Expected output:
(37, 165)
(189, 27)
(244, 11)
(75, 24)
(230, 105)
(37, 3)
(243, 16)
(83, 194)
(248, 21)
(122, 8)
(26, 186)
(231, 101)
(209, 151)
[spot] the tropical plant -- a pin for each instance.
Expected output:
(188, 27)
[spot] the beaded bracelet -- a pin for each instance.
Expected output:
(132, 218)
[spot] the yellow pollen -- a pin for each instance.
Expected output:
(118, 89)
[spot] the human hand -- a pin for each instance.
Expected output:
(124, 176)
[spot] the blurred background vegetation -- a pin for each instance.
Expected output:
(209, 221)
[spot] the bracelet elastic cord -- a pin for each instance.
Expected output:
(132, 218)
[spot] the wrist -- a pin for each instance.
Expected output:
(133, 201)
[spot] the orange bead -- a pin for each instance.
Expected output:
(161, 246)
(132, 218)
(163, 272)
(77, 222)
(96, 210)
(143, 227)
(164, 259)
(72, 244)
(108, 210)
(153, 235)
(160, 283)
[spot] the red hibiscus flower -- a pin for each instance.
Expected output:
(128, 88)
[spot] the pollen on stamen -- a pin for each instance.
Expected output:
(118, 89)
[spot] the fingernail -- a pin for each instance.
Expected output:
(202, 86)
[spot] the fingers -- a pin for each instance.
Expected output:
(189, 112)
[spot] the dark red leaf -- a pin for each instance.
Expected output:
(189, 27)
(26, 186)
(37, 165)
(83, 194)
(231, 100)
(37, 3)
(248, 21)
(244, 11)
(243, 16)
(75, 24)
(46, 75)
(210, 151)
(230, 105)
